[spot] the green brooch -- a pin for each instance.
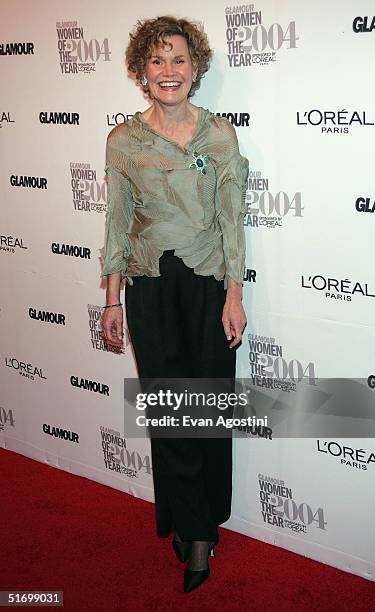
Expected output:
(199, 162)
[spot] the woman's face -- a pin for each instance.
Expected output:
(169, 71)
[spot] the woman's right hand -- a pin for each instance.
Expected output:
(112, 325)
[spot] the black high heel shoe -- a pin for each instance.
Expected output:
(182, 550)
(193, 578)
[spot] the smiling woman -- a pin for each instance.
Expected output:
(152, 32)
(174, 231)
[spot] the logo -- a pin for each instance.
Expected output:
(351, 457)
(36, 182)
(365, 205)
(362, 24)
(72, 250)
(59, 432)
(115, 119)
(76, 53)
(25, 369)
(5, 118)
(10, 244)
(89, 385)
(334, 288)
(6, 417)
(269, 369)
(47, 317)
(59, 118)
(237, 119)
(22, 48)
(250, 42)
(333, 122)
(249, 275)
(88, 194)
(119, 459)
(265, 208)
(259, 426)
(278, 507)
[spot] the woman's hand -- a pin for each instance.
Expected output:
(234, 318)
(112, 325)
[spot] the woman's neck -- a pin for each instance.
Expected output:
(172, 119)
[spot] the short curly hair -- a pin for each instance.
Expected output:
(148, 32)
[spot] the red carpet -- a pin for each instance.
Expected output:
(64, 532)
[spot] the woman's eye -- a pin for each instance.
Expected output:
(156, 61)
(180, 61)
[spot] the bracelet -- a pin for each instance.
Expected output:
(110, 305)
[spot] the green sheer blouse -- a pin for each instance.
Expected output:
(162, 196)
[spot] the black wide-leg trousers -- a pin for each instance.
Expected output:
(176, 330)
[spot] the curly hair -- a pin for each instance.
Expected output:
(149, 32)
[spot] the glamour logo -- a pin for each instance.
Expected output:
(351, 457)
(77, 54)
(89, 385)
(249, 275)
(59, 432)
(260, 431)
(250, 42)
(363, 24)
(10, 244)
(36, 182)
(59, 118)
(5, 118)
(72, 250)
(265, 208)
(269, 368)
(118, 458)
(6, 417)
(17, 48)
(338, 289)
(280, 509)
(46, 316)
(333, 122)
(365, 205)
(116, 118)
(24, 369)
(237, 119)
(88, 193)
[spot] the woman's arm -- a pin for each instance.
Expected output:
(232, 174)
(116, 248)
(234, 317)
(112, 318)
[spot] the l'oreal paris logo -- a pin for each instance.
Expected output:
(341, 289)
(333, 122)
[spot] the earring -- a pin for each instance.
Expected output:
(194, 78)
(144, 80)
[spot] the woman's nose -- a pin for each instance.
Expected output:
(169, 69)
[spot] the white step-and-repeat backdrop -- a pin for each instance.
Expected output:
(296, 80)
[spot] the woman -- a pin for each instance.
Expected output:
(174, 230)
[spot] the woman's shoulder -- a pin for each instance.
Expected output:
(221, 135)
(120, 135)
(221, 129)
(221, 125)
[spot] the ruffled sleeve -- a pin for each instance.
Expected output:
(116, 249)
(232, 175)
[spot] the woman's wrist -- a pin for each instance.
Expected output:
(234, 290)
(112, 298)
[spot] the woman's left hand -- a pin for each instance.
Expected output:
(234, 318)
